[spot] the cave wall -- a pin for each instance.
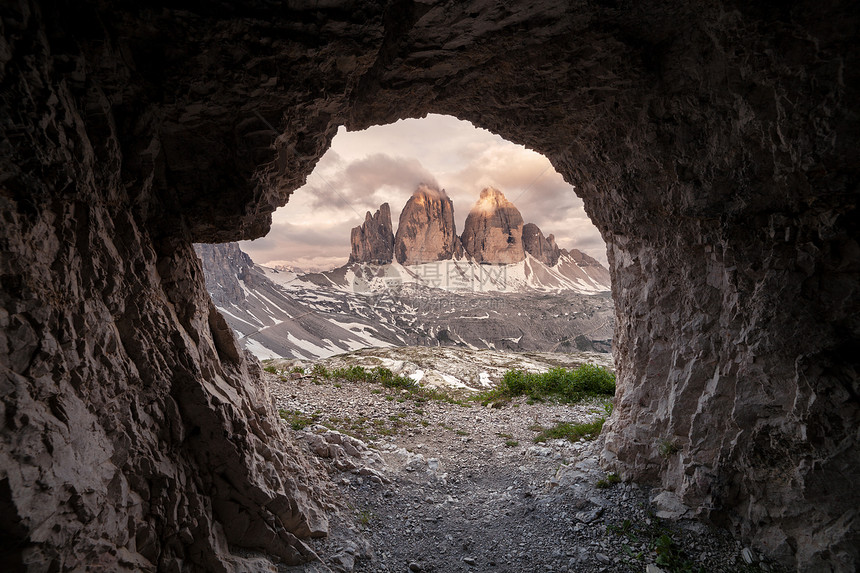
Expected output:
(136, 434)
(714, 145)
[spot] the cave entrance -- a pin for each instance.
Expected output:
(424, 232)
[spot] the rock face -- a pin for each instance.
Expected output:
(373, 241)
(714, 144)
(493, 232)
(426, 231)
(224, 265)
(542, 248)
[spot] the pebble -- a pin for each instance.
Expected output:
(603, 558)
(490, 508)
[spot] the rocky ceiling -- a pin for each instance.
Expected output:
(715, 145)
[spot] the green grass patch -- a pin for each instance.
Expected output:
(572, 432)
(559, 384)
(385, 377)
(511, 443)
(298, 420)
(659, 547)
(609, 481)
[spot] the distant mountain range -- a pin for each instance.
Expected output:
(500, 285)
(494, 234)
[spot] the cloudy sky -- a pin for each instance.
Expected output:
(364, 169)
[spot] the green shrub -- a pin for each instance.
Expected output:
(297, 419)
(320, 371)
(559, 383)
(611, 479)
(572, 432)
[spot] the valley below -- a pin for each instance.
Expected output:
(433, 480)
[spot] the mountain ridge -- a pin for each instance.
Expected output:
(277, 313)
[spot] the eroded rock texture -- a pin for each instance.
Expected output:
(542, 248)
(373, 241)
(714, 144)
(426, 231)
(493, 232)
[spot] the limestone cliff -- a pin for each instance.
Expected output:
(426, 231)
(714, 144)
(542, 248)
(224, 265)
(373, 241)
(493, 232)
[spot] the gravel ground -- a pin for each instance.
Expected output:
(442, 487)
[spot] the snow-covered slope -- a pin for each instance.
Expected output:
(525, 306)
(528, 275)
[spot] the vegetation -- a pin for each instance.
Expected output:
(385, 377)
(667, 447)
(609, 481)
(298, 420)
(659, 546)
(560, 384)
(572, 432)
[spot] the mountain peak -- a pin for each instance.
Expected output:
(426, 231)
(494, 229)
(373, 241)
(424, 191)
(542, 248)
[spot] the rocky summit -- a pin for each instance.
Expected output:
(426, 231)
(493, 232)
(542, 248)
(373, 241)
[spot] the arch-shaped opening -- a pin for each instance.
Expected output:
(713, 146)
(386, 163)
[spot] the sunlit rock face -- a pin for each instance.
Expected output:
(493, 232)
(713, 143)
(426, 231)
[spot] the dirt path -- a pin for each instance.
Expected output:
(441, 487)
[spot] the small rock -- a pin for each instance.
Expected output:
(603, 558)
(749, 556)
(589, 516)
(414, 567)
(469, 561)
(651, 568)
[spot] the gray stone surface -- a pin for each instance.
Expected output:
(714, 145)
(493, 232)
(426, 231)
(542, 248)
(373, 241)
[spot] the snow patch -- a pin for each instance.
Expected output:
(261, 352)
